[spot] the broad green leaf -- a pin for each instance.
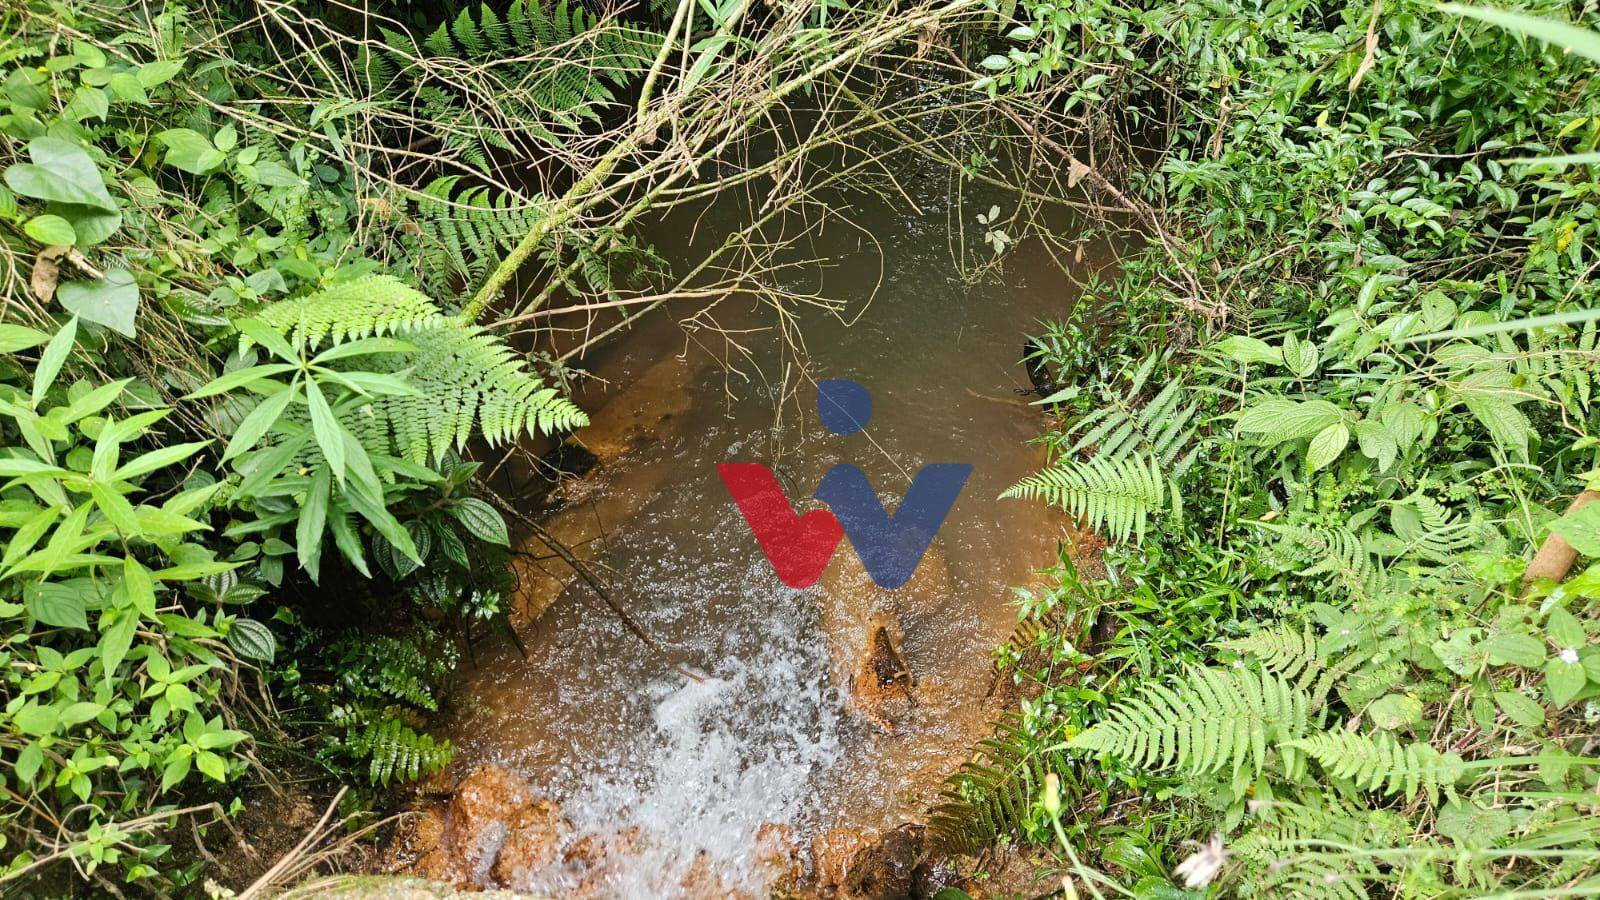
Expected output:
(175, 771)
(1566, 159)
(239, 378)
(1279, 419)
(346, 539)
(27, 536)
(112, 301)
(190, 151)
(1519, 709)
(1565, 630)
(36, 719)
(313, 517)
(211, 765)
(17, 467)
(28, 762)
(1510, 648)
(51, 230)
(88, 102)
(1395, 711)
(263, 334)
(1581, 529)
(1571, 38)
(1249, 350)
(141, 590)
(362, 347)
(1504, 422)
(55, 353)
(61, 172)
(115, 507)
(1326, 446)
(329, 434)
(1301, 357)
(116, 636)
(57, 604)
(258, 422)
(1376, 443)
(482, 521)
(20, 337)
(367, 383)
(95, 400)
(1563, 680)
(371, 507)
(157, 459)
(252, 640)
(79, 713)
(91, 225)
(192, 571)
(159, 72)
(1529, 323)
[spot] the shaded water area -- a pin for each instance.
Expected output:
(668, 774)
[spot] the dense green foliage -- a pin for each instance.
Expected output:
(1331, 660)
(226, 392)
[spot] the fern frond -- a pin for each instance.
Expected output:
(397, 752)
(464, 233)
(387, 669)
(1282, 650)
(989, 797)
(368, 306)
(1115, 496)
(1380, 762)
(468, 383)
(1333, 551)
(1318, 850)
(1211, 719)
(1163, 427)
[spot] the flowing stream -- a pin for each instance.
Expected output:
(676, 777)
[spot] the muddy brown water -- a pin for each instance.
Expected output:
(686, 769)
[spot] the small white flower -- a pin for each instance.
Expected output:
(1201, 869)
(1568, 656)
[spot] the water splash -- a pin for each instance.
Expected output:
(721, 758)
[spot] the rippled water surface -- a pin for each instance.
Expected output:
(665, 769)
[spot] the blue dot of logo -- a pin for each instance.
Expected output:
(844, 406)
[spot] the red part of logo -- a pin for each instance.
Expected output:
(798, 547)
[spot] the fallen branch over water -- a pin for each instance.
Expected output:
(589, 577)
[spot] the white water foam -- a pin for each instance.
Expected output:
(744, 747)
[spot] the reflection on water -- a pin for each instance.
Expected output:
(677, 774)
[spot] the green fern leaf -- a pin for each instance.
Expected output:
(1380, 762)
(1211, 720)
(1116, 496)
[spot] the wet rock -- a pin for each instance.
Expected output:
(885, 869)
(1008, 874)
(882, 684)
(702, 880)
(891, 865)
(832, 855)
(861, 625)
(531, 846)
(934, 875)
(493, 832)
(591, 861)
(385, 887)
(778, 860)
